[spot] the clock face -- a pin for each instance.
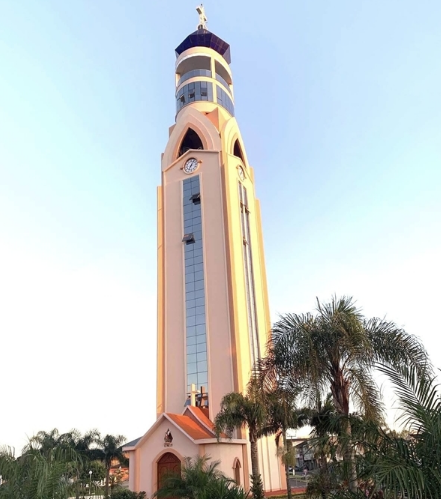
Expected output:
(241, 173)
(190, 165)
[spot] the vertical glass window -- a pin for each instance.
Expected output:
(193, 92)
(221, 80)
(196, 337)
(249, 275)
(224, 100)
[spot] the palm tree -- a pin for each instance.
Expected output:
(237, 411)
(109, 449)
(53, 444)
(409, 463)
(46, 442)
(337, 349)
(281, 415)
(328, 439)
(85, 447)
(327, 431)
(200, 479)
(36, 475)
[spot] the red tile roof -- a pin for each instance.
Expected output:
(190, 427)
(201, 417)
(199, 413)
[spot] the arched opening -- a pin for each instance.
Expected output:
(168, 464)
(236, 469)
(237, 151)
(191, 140)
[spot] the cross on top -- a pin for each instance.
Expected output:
(202, 17)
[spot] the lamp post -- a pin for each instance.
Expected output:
(90, 483)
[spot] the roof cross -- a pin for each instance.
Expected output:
(202, 17)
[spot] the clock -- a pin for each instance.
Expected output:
(241, 173)
(190, 165)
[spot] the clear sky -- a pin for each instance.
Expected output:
(348, 171)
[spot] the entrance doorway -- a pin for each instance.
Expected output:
(167, 464)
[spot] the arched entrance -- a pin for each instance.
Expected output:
(167, 464)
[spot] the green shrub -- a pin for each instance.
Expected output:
(127, 494)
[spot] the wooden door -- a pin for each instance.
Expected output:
(169, 463)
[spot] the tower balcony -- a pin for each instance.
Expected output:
(203, 74)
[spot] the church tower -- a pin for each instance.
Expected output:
(213, 314)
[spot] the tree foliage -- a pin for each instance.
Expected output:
(36, 474)
(200, 479)
(410, 463)
(54, 465)
(337, 350)
(120, 493)
(281, 414)
(390, 463)
(109, 449)
(237, 411)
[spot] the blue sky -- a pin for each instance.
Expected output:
(339, 105)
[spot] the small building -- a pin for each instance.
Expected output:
(304, 453)
(172, 438)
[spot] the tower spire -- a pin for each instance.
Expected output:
(202, 17)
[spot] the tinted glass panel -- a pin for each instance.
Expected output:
(193, 92)
(196, 338)
(193, 74)
(224, 100)
(222, 81)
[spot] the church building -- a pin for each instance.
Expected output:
(213, 312)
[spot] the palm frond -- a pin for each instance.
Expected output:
(418, 394)
(200, 479)
(365, 393)
(393, 346)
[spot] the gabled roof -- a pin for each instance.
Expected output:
(199, 414)
(132, 443)
(194, 429)
(191, 427)
(192, 422)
